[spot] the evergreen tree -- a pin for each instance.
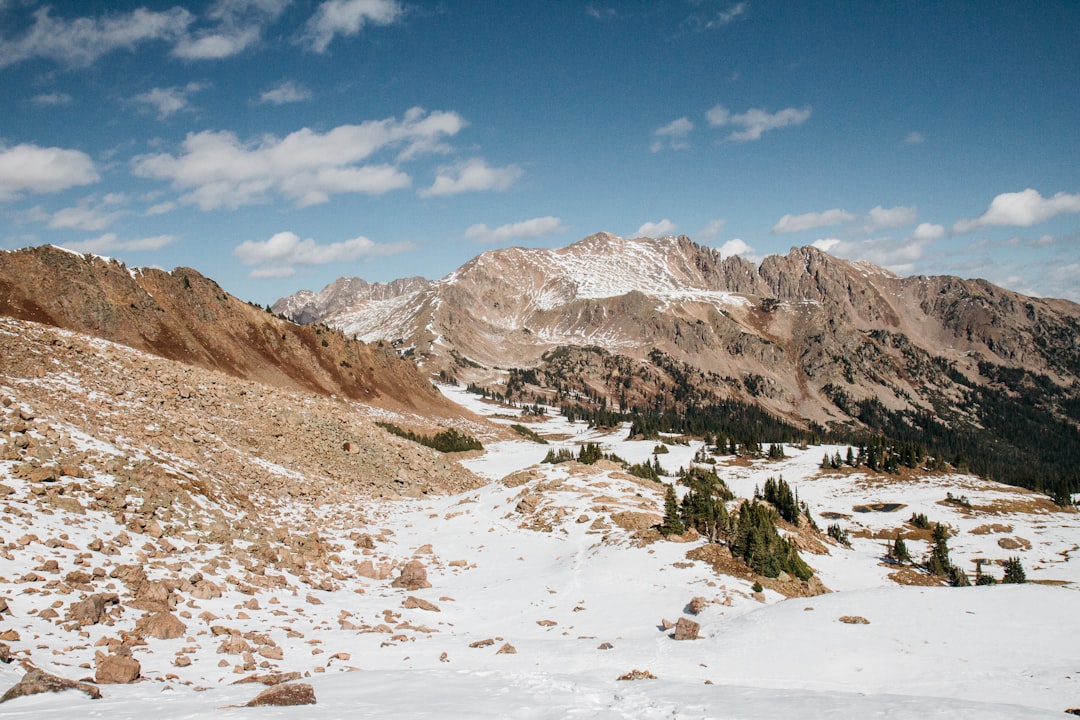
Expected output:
(757, 543)
(899, 552)
(938, 563)
(703, 506)
(850, 461)
(779, 493)
(1014, 571)
(672, 524)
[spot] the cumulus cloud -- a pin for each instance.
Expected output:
(898, 255)
(110, 242)
(526, 229)
(237, 25)
(673, 135)
(80, 41)
(471, 176)
(90, 213)
(52, 99)
(1021, 209)
(31, 168)
(880, 218)
(216, 169)
(812, 220)
(712, 228)
(347, 17)
(168, 101)
(285, 92)
(657, 229)
(279, 255)
(755, 122)
(736, 246)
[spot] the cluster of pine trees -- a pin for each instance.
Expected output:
(750, 534)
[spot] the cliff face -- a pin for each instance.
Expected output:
(181, 315)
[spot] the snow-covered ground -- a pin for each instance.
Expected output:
(540, 563)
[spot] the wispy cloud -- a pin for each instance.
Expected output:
(728, 16)
(281, 253)
(285, 92)
(1021, 209)
(881, 218)
(657, 229)
(755, 122)
(52, 99)
(78, 42)
(31, 168)
(812, 220)
(90, 213)
(347, 17)
(168, 101)
(110, 242)
(236, 26)
(673, 135)
(216, 169)
(712, 229)
(914, 138)
(472, 176)
(523, 230)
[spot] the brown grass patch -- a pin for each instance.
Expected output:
(911, 576)
(992, 529)
(1030, 505)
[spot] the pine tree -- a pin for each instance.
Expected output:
(1014, 571)
(850, 457)
(938, 563)
(899, 552)
(672, 524)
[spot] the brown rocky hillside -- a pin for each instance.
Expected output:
(184, 316)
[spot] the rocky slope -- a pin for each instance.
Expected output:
(184, 316)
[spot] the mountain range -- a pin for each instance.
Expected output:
(821, 343)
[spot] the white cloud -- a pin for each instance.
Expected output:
(712, 229)
(285, 92)
(736, 246)
(1021, 209)
(880, 218)
(657, 229)
(673, 135)
(914, 138)
(900, 256)
(109, 242)
(168, 101)
(238, 25)
(52, 99)
(161, 208)
(472, 176)
(812, 220)
(347, 17)
(90, 214)
(43, 170)
(726, 17)
(215, 169)
(278, 256)
(80, 41)
(755, 121)
(928, 231)
(533, 228)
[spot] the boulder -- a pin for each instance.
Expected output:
(696, 605)
(686, 629)
(413, 602)
(285, 694)
(413, 577)
(92, 610)
(118, 668)
(160, 625)
(38, 681)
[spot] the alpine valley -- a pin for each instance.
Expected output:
(628, 478)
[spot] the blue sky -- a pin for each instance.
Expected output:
(279, 144)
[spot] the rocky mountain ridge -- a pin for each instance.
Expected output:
(184, 316)
(802, 321)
